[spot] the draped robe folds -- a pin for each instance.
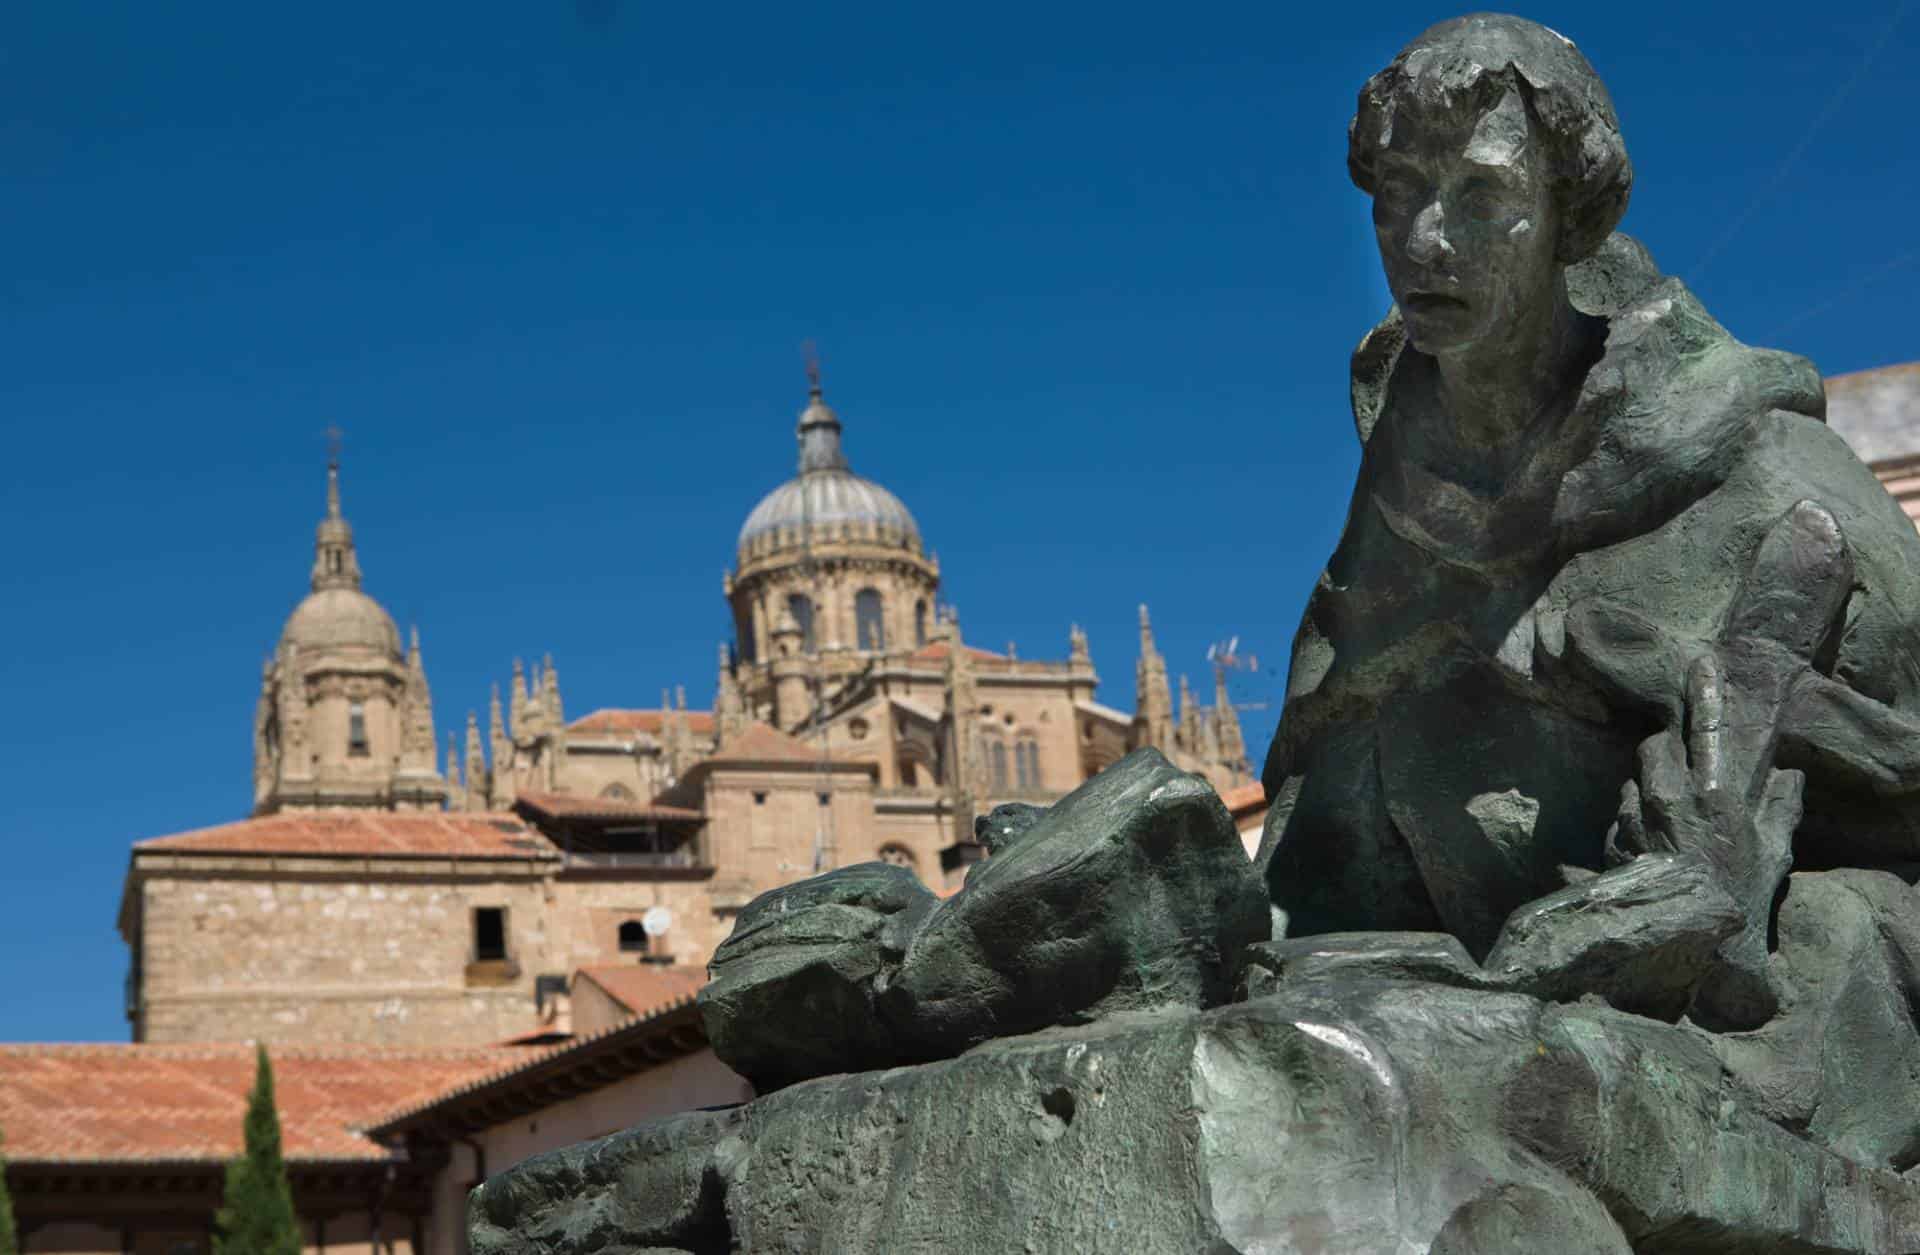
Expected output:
(1442, 756)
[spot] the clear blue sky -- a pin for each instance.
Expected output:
(1084, 278)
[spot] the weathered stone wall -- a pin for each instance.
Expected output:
(363, 951)
(763, 826)
(585, 914)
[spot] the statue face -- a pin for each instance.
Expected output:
(1464, 217)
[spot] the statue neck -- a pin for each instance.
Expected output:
(1495, 390)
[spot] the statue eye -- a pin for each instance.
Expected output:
(1480, 203)
(1399, 190)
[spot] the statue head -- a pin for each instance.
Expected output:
(1494, 159)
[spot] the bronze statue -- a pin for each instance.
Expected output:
(1587, 521)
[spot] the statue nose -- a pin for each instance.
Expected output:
(1427, 242)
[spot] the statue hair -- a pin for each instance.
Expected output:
(1462, 68)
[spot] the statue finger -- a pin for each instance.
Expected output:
(1668, 803)
(1798, 584)
(1706, 723)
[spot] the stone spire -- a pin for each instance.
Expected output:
(1153, 703)
(729, 707)
(819, 429)
(553, 763)
(1077, 646)
(550, 694)
(679, 732)
(334, 562)
(264, 765)
(1233, 743)
(1186, 728)
(519, 708)
(456, 795)
(476, 766)
(416, 779)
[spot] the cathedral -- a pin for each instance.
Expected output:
(375, 897)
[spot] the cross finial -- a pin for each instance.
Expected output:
(812, 354)
(334, 436)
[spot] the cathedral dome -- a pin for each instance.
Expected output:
(341, 618)
(827, 498)
(827, 495)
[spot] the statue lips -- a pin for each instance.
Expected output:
(1429, 304)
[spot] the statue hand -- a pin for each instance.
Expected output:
(1711, 788)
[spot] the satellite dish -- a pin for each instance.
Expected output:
(656, 921)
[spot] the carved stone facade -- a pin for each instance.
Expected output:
(841, 641)
(373, 900)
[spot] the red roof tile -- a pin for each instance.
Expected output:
(138, 1103)
(571, 806)
(1245, 798)
(639, 721)
(647, 988)
(422, 834)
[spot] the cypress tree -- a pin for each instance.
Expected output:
(256, 1215)
(9, 1236)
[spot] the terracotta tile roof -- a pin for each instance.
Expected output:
(1246, 798)
(136, 1103)
(422, 834)
(647, 988)
(571, 806)
(938, 650)
(630, 721)
(763, 743)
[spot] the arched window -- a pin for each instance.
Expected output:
(1026, 760)
(869, 626)
(898, 855)
(919, 622)
(800, 606)
(997, 759)
(633, 937)
(357, 729)
(617, 792)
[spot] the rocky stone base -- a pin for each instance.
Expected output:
(1339, 1117)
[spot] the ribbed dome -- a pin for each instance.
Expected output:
(826, 495)
(341, 618)
(829, 498)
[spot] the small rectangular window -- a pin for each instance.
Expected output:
(489, 933)
(356, 729)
